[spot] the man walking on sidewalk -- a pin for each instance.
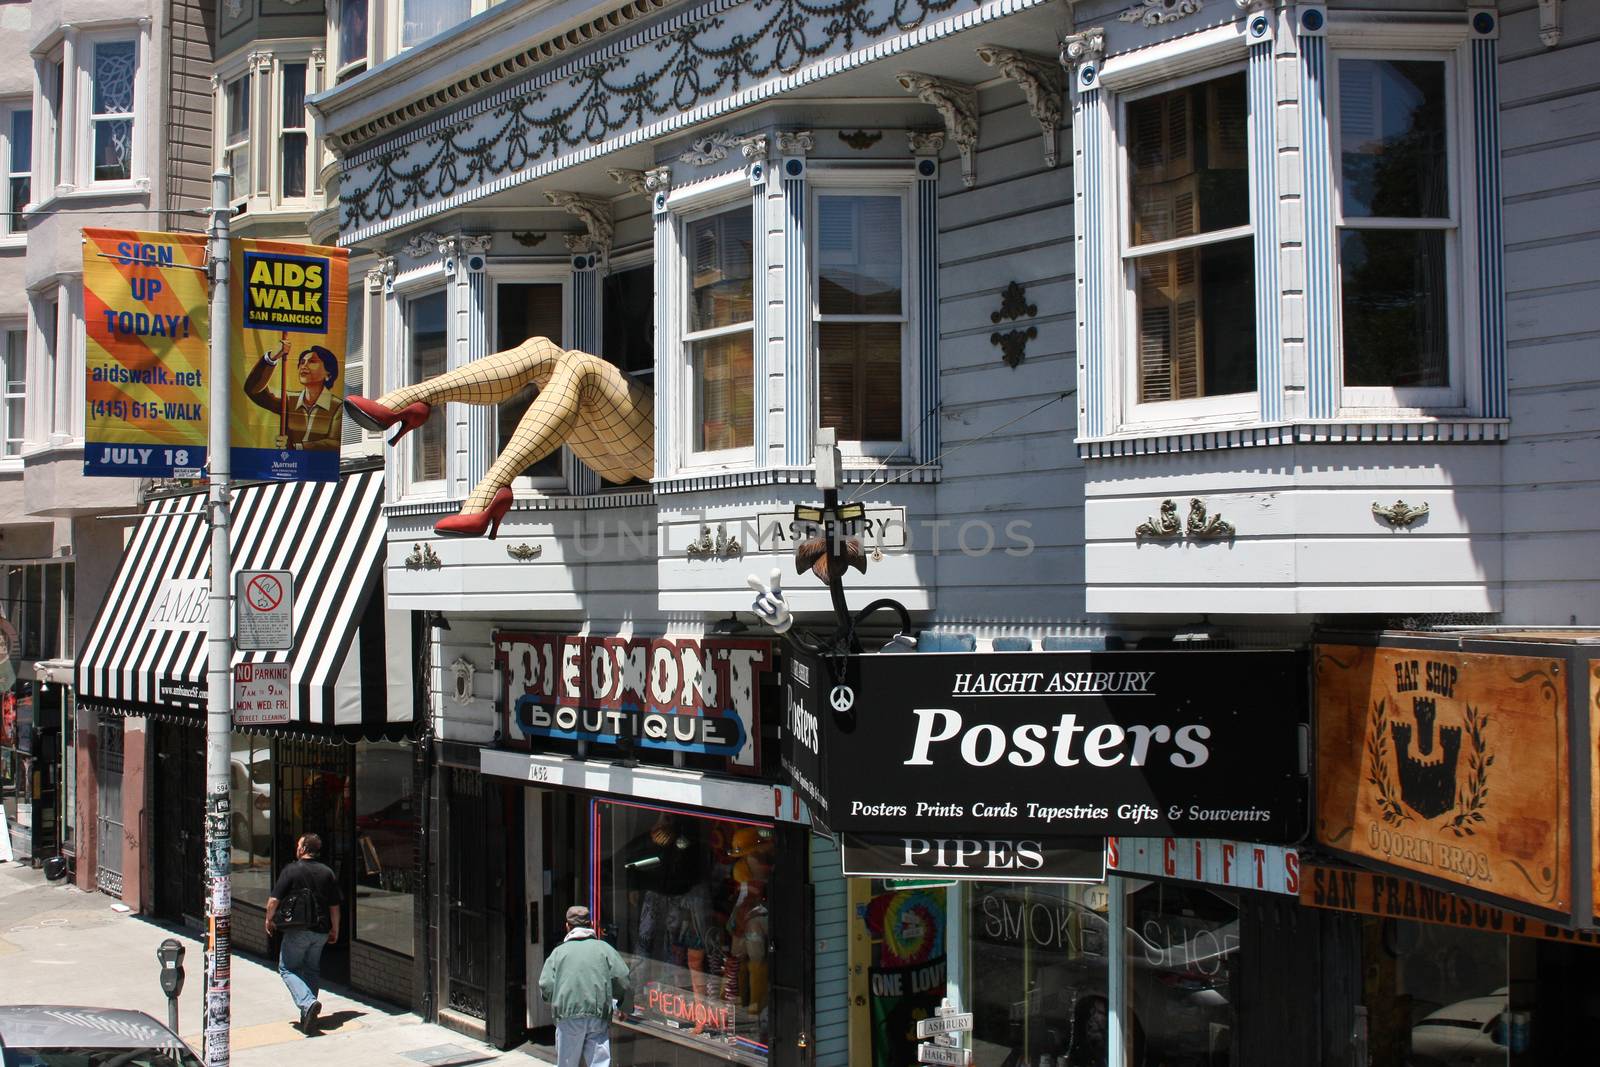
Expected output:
(305, 907)
(581, 979)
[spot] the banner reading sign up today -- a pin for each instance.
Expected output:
(146, 329)
(289, 306)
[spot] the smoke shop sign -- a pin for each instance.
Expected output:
(1449, 765)
(682, 694)
(1017, 745)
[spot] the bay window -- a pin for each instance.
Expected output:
(351, 38)
(1396, 231)
(421, 19)
(89, 89)
(13, 406)
(292, 145)
(859, 315)
(719, 329)
(236, 134)
(16, 148)
(1189, 244)
(264, 136)
(427, 342)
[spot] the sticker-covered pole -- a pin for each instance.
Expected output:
(217, 1007)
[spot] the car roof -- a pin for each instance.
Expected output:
(70, 1026)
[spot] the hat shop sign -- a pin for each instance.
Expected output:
(1071, 744)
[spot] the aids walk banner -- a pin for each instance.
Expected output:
(290, 306)
(146, 339)
(1446, 763)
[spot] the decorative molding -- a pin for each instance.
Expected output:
(1164, 528)
(1202, 527)
(1013, 306)
(633, 179)
(461, 672)
(796, 142)
(260, 62)
(1042, 86)
(615, 498)
(319, 58)
(925, 142)
(723, 547)
(1399, 514)
(424, 244)
(472, 243)
(755, 149)
(1441, 432)
(1550, 22)
(529, 238)
(1081, 55)
(860, 140)
(957, 105)
(378, 278)
(709, 148)
(790, 475)
(595, 214)
(1160, 12)
(523, 552)
(423, 558)
(656, 82)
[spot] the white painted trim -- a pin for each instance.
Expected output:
(663, 785)
(1178, 58)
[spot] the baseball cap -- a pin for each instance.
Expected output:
(578, 915)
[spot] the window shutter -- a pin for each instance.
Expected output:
(1227, 140)
(1171, 362)
(1358, 105)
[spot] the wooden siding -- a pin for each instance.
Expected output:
(1550, 167)
(186, 149)
(830, 1040)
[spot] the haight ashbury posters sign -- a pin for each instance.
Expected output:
(676, 693)
(1191, 744)
(1453, 765)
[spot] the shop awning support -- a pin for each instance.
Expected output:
(216, 1004)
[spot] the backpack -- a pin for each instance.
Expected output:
(300, 910)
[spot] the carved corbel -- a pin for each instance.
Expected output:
(957, 105)
(1550, 22)
(319, 58)
(633, 179)
(260, 62)
(1042, 86)
(658, 182)
(754, 149)
(796, 142)
(1081, 54)
(925, 142)
(381, 276)
(595, 215)
(475, 243)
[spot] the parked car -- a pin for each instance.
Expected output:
(40, 1035)
(1468, 1033)
(250, 796)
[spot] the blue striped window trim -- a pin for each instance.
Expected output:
(1323, 373)
(1091, 261)
(1264, 184)
(1491, 246)
(796, 302)
(584, 304)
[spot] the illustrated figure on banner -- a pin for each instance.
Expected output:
(308, 418)
(585, 403)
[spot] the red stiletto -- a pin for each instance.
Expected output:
(475, 524)
(374, 416)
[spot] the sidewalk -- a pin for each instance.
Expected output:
(59, 945)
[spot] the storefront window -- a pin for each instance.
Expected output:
(684, 899)
(314, 793)
(250, 797)
(386, 835)
(1183, 952)
(1035, 969)
(1433, 994)
(907, 973)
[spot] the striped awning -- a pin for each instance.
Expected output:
(147, 651)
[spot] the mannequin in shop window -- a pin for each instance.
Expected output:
(672, 900)
(749, 924)
(585, 403)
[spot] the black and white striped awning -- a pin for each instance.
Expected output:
(147, 650)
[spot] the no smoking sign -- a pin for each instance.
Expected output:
(264, 611)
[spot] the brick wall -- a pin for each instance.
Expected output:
(382, 973)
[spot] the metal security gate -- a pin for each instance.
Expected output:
(108, 838)
(466, 954)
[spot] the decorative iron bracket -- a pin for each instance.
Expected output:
(957, 105)
(1042, 85)
(1013, 306)
(595, 214)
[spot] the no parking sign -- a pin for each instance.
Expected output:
(263, 610)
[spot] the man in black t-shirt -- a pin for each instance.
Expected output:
(304, 907)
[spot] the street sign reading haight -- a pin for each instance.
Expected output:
(1195, 744)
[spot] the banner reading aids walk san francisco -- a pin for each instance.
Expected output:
(144, 303)
(289, 304)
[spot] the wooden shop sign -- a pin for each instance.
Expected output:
(1389, 897)
(1449, 764)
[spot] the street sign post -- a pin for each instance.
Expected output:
(944, 1030)
(264, 609)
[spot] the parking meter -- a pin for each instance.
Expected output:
(170, 953)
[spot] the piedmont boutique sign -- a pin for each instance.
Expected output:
(1018, 745)
(683, 694)
(1452, 759)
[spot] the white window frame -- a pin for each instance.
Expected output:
(9, 432)
(728, 193)
(620, 265)
(421, 284)
(280, 126)
(1451, 399)
(12, 231)
(260, 189)
(1230, 408)
(48, 122)
(241, 187)
(503, 273)
(87, 119)
(825, 181)
(396, 27)
(341, 68)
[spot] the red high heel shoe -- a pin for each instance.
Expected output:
(374, 416)
(475, 524)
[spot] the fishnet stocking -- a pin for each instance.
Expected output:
(604, 416)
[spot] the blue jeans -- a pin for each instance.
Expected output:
(300, 964)
(588, 1040)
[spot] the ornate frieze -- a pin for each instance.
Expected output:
(1160, 12)
(675, 72)
(1041, 84)
(957, 105)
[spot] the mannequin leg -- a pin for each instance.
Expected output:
(490, 380)
(544, 426)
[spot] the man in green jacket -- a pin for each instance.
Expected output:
(580, 980)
